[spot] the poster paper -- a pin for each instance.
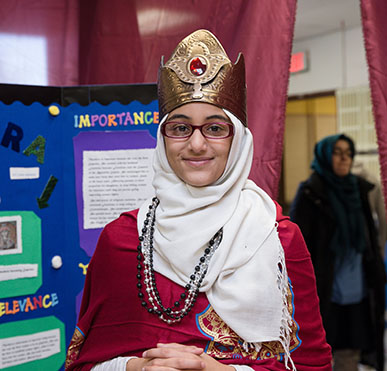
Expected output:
(18, 350)
(20, 173)
(114, 181)
(13, 272)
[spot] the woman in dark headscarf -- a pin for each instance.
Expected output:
(333, 212)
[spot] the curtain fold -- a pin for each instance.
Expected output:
(374, 15)
(39, 42)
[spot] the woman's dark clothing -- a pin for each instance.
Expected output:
(312, 210)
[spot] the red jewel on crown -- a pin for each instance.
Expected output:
(198, 66)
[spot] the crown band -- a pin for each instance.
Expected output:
(199, 70)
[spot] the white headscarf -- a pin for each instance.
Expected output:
(243, 284)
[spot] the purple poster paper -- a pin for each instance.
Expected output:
(100, 141)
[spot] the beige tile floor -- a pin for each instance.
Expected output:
(368, 368)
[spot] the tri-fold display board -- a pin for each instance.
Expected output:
(71, 160)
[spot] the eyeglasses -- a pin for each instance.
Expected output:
(340, 153)
(183, 130)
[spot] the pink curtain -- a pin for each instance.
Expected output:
(121, 42)
(56, 22)
(374, 16)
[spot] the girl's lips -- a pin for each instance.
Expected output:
(197, 162)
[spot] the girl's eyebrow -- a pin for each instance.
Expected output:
(178, 116)
(182, 116)
(219, 117)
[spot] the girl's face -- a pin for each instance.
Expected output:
(197, 160)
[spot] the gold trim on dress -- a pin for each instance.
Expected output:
(74, 348)
(226, 343)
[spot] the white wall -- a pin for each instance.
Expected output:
(336, 60)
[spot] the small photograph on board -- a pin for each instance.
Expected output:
(10, 235)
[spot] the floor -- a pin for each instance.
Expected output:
(367, 368)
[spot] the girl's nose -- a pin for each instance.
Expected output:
(197, 141)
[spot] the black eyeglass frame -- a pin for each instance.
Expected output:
(340, 153)
(199, 127)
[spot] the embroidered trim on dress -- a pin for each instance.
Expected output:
(74, 347)
(286, 321)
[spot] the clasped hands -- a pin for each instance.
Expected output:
(175, 357)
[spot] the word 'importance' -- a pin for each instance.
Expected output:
(28, 304)
(117, 119)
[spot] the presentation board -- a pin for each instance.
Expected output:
(72, 159)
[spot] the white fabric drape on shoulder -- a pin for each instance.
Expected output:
(244, 284)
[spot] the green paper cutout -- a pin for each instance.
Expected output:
(46, 194)
(31, 237)
(30, 327)
(37, 148)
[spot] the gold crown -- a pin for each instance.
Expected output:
(199, 70)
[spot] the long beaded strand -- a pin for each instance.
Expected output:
(191, 290)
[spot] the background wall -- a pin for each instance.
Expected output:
(307, 121)
(336, 60)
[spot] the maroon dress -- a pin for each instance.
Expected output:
(113, 323)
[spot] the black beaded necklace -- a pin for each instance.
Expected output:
(191, 290)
